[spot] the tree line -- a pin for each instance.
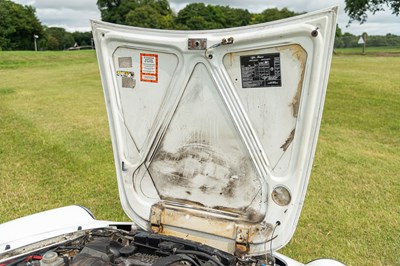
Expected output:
(196, 16)
(19, 27)
(19, 24)
(348, 40)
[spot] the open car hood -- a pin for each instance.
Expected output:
(214, 132)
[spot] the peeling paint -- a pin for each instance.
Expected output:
(300, 54)
(288, 141)
(296, 100)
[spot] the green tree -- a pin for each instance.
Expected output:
(161, 6)
(272, 14)
(195, 16)
(117, 11)
(235, 17)
(59, 39)
(349, 40)
(338, 31)
(18, 24)
(392, 40)
(199, 16)
(52, 43)
(339, 43)
(338, 38)
(144, 16)
(82, 38)
(357, 9)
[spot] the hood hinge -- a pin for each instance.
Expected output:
(155, 220)
(242, 240)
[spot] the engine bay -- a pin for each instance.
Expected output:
(117, 247)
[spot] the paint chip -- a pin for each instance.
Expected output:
(288, 141)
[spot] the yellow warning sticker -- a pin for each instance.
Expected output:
(122, 73)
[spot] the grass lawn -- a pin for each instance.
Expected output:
(55, 150)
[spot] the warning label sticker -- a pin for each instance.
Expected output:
(121, 73)
(262, 70)
(149, 68)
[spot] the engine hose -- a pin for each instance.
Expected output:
(201, 254)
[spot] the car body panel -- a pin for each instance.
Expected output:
(43, 225)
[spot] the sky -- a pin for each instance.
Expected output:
(74, 15)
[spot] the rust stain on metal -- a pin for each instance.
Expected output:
(288, 141)
(156, 229)
(199, 220)
(167, 217)
(300, 54)
(296, 100)
(241, 249)
(240, 214)
(260, 232)
(197, 44)
(242, 234)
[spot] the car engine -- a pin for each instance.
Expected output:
(116, 247)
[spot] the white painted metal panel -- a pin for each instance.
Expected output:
(214, 132)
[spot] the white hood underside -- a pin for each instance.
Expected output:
(214, 132)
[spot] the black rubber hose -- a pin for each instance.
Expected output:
(201, 254)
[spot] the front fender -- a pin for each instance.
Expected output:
(40, 226)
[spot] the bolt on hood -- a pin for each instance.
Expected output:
(214, 132)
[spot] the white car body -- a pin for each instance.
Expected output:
(214, 134)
